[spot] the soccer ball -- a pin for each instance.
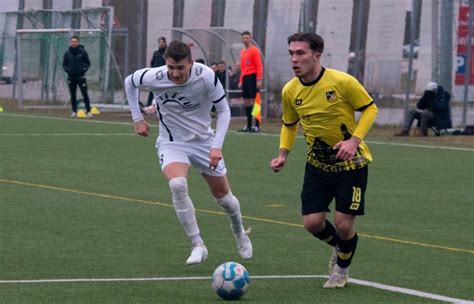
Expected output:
(230, 280)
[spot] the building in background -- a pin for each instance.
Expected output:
(376, 32)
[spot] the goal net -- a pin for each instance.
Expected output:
(40, 44)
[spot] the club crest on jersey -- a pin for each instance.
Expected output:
(176, 101)
(331, 96)
(198, 71)
(160, 75)
(298, 101)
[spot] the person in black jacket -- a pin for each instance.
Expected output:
(157, 60)
(76, 63)
(222, 73)
(423, 111)
(442, 111)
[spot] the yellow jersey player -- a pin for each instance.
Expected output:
(323, 101)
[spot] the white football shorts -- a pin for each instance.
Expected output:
(195, 154)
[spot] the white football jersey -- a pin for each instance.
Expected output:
(183, 109)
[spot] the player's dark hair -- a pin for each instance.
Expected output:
(245, 33)
(178, 50)
(316, 42)
(162, 38)
(221, 62)
(75, 37)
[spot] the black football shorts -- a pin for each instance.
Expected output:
(346, 187)
(249, 86)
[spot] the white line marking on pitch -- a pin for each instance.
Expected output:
(419, 146)
(242, 134)
(379, 143)
(65, 134)
(396, 289)
(72, 119)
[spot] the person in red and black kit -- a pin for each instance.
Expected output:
(76, 63)
(250, 78)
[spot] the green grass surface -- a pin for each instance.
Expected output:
(84, 199)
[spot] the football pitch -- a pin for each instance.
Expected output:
(86, 217)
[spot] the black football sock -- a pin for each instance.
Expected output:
(328, 234)
(346, 251)
(248, 112)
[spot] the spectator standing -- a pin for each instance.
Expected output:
(222, 73)
(250, 78)
(213, 67)
(157, 60)
(76, 63)
(234, 76)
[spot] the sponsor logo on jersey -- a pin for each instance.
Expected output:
(174, 100)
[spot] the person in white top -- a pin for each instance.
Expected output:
(184, 93)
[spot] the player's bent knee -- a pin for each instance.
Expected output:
(345, 229)
(313, 225)
(228, 202)
(179, 187)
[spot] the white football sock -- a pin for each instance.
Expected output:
(184, 208)
(231, 206)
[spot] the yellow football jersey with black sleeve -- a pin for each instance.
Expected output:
(325, 109)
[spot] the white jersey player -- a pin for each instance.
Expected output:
(184, 95)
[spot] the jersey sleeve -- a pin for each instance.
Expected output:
(216, 91)
(290, 116)
(361, 101)
(222, 123)
(366, 121)
(133, 82)
(290, 121)
(218, 97)
(258, 63)
(357, 95)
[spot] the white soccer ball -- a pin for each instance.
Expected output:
(230, 280)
